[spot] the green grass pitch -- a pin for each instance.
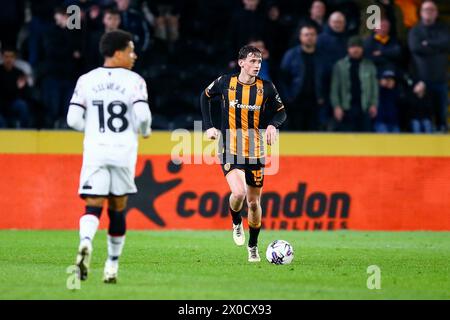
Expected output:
(207, 265)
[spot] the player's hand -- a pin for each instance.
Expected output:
(338, 113)
(212, 133)
(147, 133)
(271, 134)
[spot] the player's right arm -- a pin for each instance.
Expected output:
(214, 89)
(77, 108)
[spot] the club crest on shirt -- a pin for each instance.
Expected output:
(260, 91)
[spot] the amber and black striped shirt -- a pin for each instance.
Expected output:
(245, 108)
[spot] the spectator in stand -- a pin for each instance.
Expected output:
(248, 22)
(42, 21)
(166, 15)
(317, 16)
(391, 12)
(14, 109)
(354, 90)
(387, 120)
(23, 66)
(301, 85)
(420, 108)
(382, 49)
(332, 42)
(91, 18)
(59, 68)
(350, 10)
(429, 43)
(133, 22)
(111, 22)
(332, 45)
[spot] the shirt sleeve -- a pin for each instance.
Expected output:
(276, 106)
(215, 88)
(79, 97)
(141, 110)
(274, 100)
(140, 93)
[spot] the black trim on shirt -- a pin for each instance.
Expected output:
(77, 104)
(145, 101)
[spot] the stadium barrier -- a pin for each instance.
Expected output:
(325, 182)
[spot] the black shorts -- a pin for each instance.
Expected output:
(254, 173)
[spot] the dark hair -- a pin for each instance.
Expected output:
(9, 48)
(246, 50)
(111, 11)
(355, 41)
(307, 26)
(61, 10)
(113, 41)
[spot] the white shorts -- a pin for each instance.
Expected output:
(106, 180)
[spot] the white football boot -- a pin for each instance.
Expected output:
(238, 234)
(84, 258)
(253, 254)
(110, 272)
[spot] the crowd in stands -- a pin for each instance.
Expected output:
(333, 72)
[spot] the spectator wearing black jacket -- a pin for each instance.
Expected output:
(301, 70)
(247, 23)
(384, 50)
(332, 44)
(14, 109)
(429, 42)
(133, 22)
(59, 67)
(317, 16)
(387, 119)
(420, 108)
(42, 21)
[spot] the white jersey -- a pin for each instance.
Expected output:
(111, 132)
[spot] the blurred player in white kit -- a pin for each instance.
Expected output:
(110, 105)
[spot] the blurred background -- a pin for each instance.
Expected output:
(312, 51)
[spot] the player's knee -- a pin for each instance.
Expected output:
(117, 203)
(239, 195)
(95, 211)
(255, 224)
(117, 223)
(253, 204)
(94, 201)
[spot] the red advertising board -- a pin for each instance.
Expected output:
(39, 191)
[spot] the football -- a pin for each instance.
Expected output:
(280, 252)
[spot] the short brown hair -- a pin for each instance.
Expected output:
(246, 50)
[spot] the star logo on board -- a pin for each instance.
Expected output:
(150, 190)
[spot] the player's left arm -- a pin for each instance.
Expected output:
(77, 108)
(141, 109)
(274, 104)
